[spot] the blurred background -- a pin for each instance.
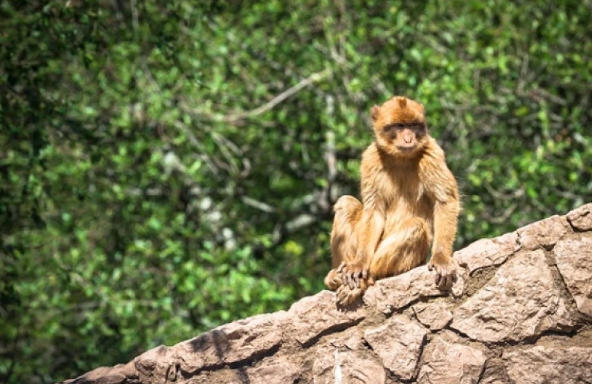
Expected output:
(166, 167)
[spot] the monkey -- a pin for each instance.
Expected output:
(410, 202)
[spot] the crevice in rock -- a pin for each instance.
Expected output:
(519, 241)
(494, 369)
(564, 291)
(366, 344)
(420, 357)
(396, 379)
(497, 346)
(408, 308)
(479, 279)
(333, 329)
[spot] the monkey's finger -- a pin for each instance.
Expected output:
(438, 277)
(344, 273)
(340, 294)
(352, 282)
(451, 279)
(340, 268)
(345, 276)
(447, 281)
(337, 293)
(430, 266)
(357, 279)
(444, 280)
(365, 274)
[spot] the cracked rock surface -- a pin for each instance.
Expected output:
(520, 312)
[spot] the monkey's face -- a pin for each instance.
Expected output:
(399, 126)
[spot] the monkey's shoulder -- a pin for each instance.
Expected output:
(370, 153)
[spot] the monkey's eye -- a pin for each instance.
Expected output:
(416, 127)
(399, 126)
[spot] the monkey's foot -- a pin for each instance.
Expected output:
(353, 276)
(346, 296)
(333, 280)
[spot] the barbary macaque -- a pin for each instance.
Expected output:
(410, 201)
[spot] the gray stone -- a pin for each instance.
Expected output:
(332, 365)
(544, 233)
(549, 364)
(233, 342)
(119, 374)
(520, 301)
(274, 371)
(450, 363)
(398, 344)
(487, 252)
(434, 315)
(581, 218)
(397, 292)
(574, 261)
(319, 314)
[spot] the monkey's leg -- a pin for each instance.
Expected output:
(343, 240)
(404, 249)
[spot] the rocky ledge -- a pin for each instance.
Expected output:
(520, 312)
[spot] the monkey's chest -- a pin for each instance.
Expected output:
(403, 195)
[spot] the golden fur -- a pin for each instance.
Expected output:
(410, 200)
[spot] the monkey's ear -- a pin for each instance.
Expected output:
(402, 101)
(375, 112)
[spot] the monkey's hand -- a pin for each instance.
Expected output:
(333, 279)
(445, 271)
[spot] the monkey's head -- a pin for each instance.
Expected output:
(400, 126)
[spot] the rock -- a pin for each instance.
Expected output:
(517, 304)
(434, 315)
(544, 233)
(398, 344)
(319, 314)
(276, 371)
(520, 301)
(397, 292)
(581, 218)
(487, 252)
(332, 366)
(156, 365)
(119, 374)
(451, 363)
(574, 261)
(549, 364)
(495, 372)
(224, 376)
(233, 342)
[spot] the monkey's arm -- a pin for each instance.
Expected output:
(443, 189)
(445, 223)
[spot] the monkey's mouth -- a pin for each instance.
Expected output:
(406, 148)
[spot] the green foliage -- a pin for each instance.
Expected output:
(164, 165)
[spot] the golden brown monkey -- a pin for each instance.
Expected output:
(409, 200)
